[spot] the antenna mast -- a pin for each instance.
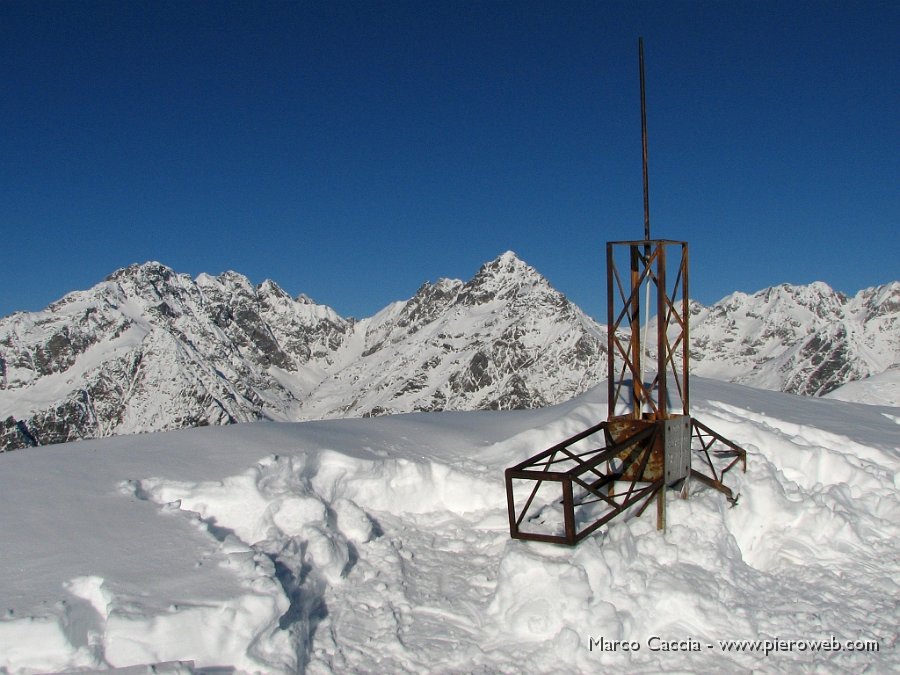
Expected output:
(644, 141)
(649, 440)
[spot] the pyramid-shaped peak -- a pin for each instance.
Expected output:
(504, 277)
(509, 257)
(507, 265)
(508, 260)
(270, 288)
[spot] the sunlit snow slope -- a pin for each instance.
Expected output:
(880, 389)
(381, 545)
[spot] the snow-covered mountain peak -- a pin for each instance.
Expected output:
(235, 282)
(508, 260)
(774, 308)
(878, 300)
(151, 270)
(507, 266)
(817, 297)
(138, 287)
(506, 278)
(801, 339)
(271, 291)
(504, 339)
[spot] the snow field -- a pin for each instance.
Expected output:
(879, 389)
(382, 545)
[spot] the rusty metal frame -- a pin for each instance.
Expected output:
(703, 441)
(611, 476)
(636, 450)
(648, 264)
(622, 469)
(614, 474)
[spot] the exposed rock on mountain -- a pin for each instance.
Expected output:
(798, 339)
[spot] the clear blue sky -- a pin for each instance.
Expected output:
(351, 150)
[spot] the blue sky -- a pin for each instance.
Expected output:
(352, 150)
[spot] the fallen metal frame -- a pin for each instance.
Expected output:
(585, 477)
(614, 476)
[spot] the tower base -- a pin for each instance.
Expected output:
(568, 491)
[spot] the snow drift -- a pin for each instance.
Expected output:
(381, 545)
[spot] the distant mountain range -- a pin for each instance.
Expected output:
(149, 349)
(798, 339)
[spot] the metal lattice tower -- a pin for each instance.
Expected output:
(649, 443)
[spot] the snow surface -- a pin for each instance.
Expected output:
(381, 545)
(880, 389)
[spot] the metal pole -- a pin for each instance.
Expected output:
(634, 325)
(646, 204)
(686, 340)
(644, 142)
(610, 333)
(662, 348)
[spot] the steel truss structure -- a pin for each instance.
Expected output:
(649, 442)
(650, 268)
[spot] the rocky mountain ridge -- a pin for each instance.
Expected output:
(148, 349)
(798, 339)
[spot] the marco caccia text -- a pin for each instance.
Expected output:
(654, 644)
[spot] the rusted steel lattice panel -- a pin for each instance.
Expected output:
(717, 455)
(568, 491)
(648, 377)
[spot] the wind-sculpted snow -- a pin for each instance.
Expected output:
(879, 389)
(381, 545)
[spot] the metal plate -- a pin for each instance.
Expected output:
(677, 447)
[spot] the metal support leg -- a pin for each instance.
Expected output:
(661, 508)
